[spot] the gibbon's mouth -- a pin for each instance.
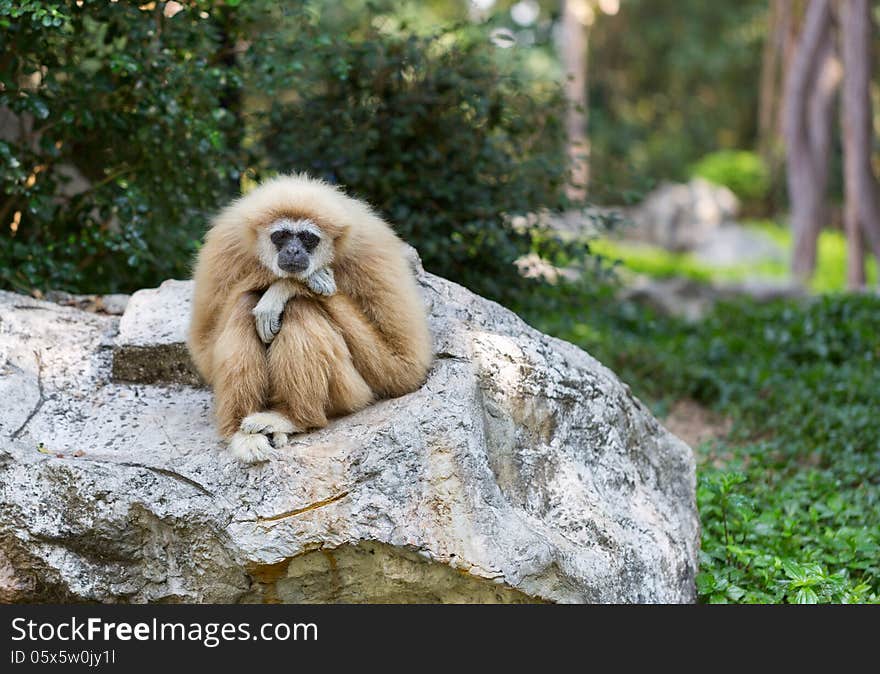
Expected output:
(293, 267)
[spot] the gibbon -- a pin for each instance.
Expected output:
(305, 308)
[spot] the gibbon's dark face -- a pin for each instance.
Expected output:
(295, 248)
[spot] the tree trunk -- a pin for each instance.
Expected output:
(855, 253)
(855, 250)
(810, 89)
(768, 103)
(784, 17)
(862, 197)
(573, 49)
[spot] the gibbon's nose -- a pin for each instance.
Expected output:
(293, 259)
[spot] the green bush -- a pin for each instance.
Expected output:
(742, 172)
(444, 140)
(669, 80)
(130, 102)
(160, 117)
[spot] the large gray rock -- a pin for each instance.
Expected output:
(522, 471)
(682, 216)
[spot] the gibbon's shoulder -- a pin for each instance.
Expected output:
(302, 196)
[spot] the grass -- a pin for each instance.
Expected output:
(657, 262)
(790, 501)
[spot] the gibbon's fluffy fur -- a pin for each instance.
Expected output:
(333, 353)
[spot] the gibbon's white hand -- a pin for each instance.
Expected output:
(267, 313)
(259, 435)
(322, 282)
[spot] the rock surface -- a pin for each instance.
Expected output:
(522, 471)
(103, 304)
(692, 300)
(151, 345)
(733, 245)
(682, 216)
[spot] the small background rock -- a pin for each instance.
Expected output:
(691, 300)
(681, 217)
(732, 245)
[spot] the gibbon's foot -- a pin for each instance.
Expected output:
(322, 282)
(267, 313)
(273, 425)
(250, 447)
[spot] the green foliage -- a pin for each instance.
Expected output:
(160, 119)
(653, 261)
(740, 171)
(671, 80)
(790, 502)
(130, 103)
(830, 274)
(441, 136)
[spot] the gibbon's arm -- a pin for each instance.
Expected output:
(215, 295)
(382, 285)
(385, 327)
(208, 302)
(387, 371)
(267, 313)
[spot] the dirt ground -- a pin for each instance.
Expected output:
(694, 424)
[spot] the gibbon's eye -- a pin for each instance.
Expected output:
(279, 237)
(309, 240)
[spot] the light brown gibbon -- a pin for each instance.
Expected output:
(305, 308)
